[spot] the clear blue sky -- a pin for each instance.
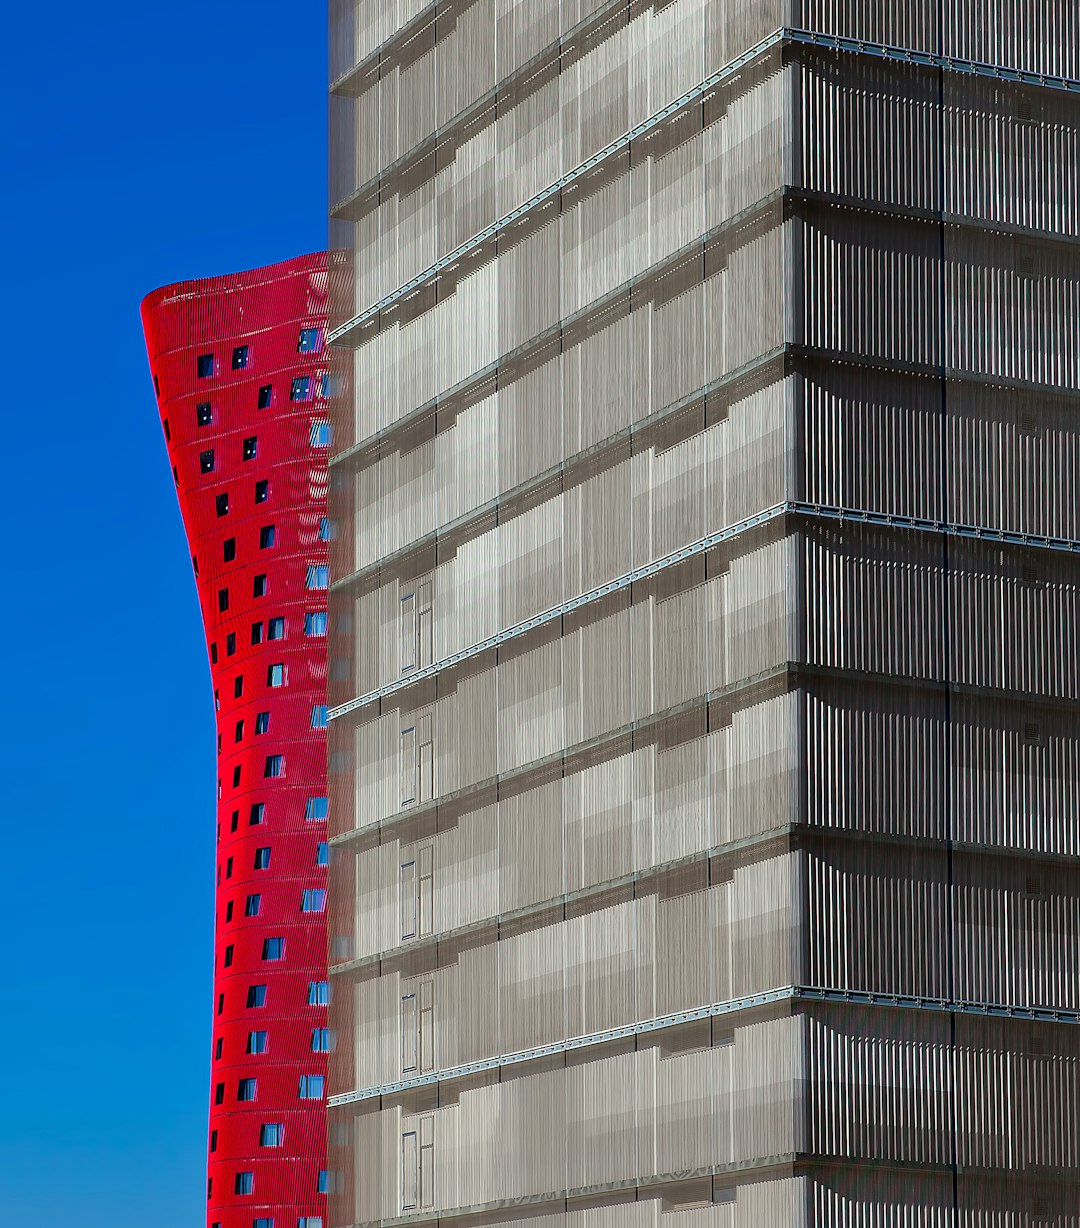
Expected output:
(139, 144)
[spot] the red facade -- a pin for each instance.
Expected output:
(239, 366)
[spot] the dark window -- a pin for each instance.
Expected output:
(206, 461)
(228, 912)
(234, 823)
(195, 564)
(230, 644)
(236, 777)
(228, 953)
(239, 734)
(176, 477)
(273, 948)
(251, 447)
(262, 859)
(276, 629)
(168, 434)
(223, 600)
(228, 873)
(219, 1093)
(256, 1042)
(204, 365)
(266, 395)
(213, 1137)
(204, 415)
(256, 633)
(240, 358)
(259, 587)
(274, 766)
(238, 686)
(245, 1089)
(258, 813)
(262, 722)
(228, 547)
(252, 905)
(244, 1184)
(213, 653)
(301, 388)
(220, 1003)
(309, 341)
(266, 536)
(222, 503)
(256, 995)
(262, 490)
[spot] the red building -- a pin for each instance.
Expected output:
(239, 368)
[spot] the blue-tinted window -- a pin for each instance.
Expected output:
(247, 1089)
(313, 900)
(326, 385)
(315, 624)
(271, 1134)
(256, 995)
(320, 1040)
(322, 854)
(319, 993)
(262, 859)
(312, 1087)
(263, 1221)
(320, 716)
(301, 388)
(204, 365)
(252, 905)
(318, 576)
(317, 808)
(309, 1221)
(326, 532)
(266, 536)
(275, 675)
(266, 395)
(256, 1042)
(320, 434)
(262, 722)
(240, 358)
(244, 1183)
(273, 948)
(204, 415)
(276, 629)
(309, 341)
(274, 766)
(323, 1184)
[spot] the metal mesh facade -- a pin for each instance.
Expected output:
(703, 772)
(238, 365)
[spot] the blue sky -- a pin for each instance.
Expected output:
(140, 144)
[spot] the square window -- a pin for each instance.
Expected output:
(266, 537)
(256, 995)
(204, 415)
(262, 722)
(258, 813)
(318, 993)
(222, 504)
(271, 1134)
(240, 358)
(219, 1094)
(315, 624)
(204, 366)
(320, 434)
(228, 547)
(266, 395)
(238, 735)
(322, 854)
(222, 600)
(309, 341)
(258, 589)
(236, 777)
(317, 808)
(252, 905)
(313, 900)
(318, 576)
(246, 1089)
(275, 675)
(256, 1042)
(230, 644)
(251, 447)
(276, 629)
(325, 530)
(311, 1087)
(301, 388)
(244, 1183)
(274, 766)
(273, 948)
(262, 492)
(262, 859)
(320, 1040)
(228, 956)
(206, 461)
(256, 633)
(238, 686)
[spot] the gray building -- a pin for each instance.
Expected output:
(705, 625)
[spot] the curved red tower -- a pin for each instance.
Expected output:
(239, 368)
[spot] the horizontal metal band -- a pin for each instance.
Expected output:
(714, 1010)
(812, 511)
(785, 36)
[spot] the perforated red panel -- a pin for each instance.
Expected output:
(248, 539)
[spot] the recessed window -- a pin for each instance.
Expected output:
(258, 589)
(206, 461)
(204, 415)
(313, 900)
(256, 995)
(320, 434)
(317, 808)
(168, 433)
(258, 814)
(228, 912)
(256, 633)
(266, 395)
(325, 529)
(222, 503)
(309, 341)
(251, 447)
(234, 823)
(326, 385)
(274, 766)
(228, 956)
(204, 366)
(301, 388)
(318, 576)
(236, 777)
(263, 1221)
(262, 722)
(222, 600)
(312, 1087)
(273, 948)
(240, 358)
(195, 564)
(315, 624)
(309, 1221)
(262, 491)
(320, 1040)
(228, 547)
(256, 1042)
(244, 1183)
(219, 1094)
(213, 1140)
(238, 686)
(213, 653)
(262, 859)
(320, 716)
(230, 644)
(220, 1003)
(275, 675)
(266, 537)
(323, 1183)
(318, 993)
(252, 905)
(322, 854)
(271, 1134)
(246, 1089)
(238, 735)
(228, 870)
